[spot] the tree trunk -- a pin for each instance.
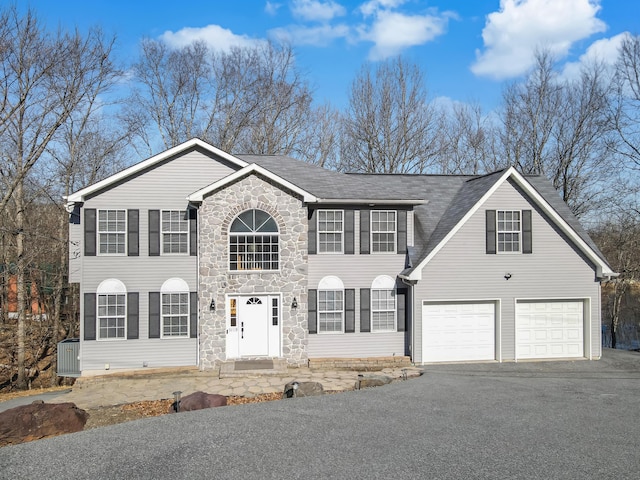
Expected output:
(20, 284)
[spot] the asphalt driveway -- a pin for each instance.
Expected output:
(529, 420)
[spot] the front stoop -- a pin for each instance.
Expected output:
(368, 364)
(244, 368)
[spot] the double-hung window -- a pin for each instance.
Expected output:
(175, 314)
(111, 316)
(509, 229)
(330, 231)
(175, 231)
(330, 311)
(112, 231)
(383, 310)
(383, 231)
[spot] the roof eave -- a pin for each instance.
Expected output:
(369, 201)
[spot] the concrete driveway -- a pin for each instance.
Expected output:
(529, 420)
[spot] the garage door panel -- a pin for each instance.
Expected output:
(551, 329)
(458, 332)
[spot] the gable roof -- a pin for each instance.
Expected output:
(475, 191)
(80, 195)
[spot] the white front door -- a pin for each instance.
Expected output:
(253, 324)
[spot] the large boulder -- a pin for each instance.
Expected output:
(302, 389)
(199, 401)
(40, 420)
(366, 381)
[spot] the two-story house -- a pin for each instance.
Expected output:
(198, 257)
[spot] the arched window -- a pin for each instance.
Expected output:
(330, 305)
(383, 304)
(112, 309)
(175, 308)
(253, 242)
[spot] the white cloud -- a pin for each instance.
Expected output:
(512, 34)
(316, 10)
(373, 6)
(271, 8)
(319, 35)
(214, 36)
(604, 51)
(391, 32)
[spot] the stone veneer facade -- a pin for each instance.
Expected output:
(216, 281)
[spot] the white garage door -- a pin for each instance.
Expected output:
(549, 329)
(455, 332)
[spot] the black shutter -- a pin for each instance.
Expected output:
(193, 231)
(365, 310)
(349, 233)
(133, 233)
(527, 246)
(154, 314)
(313, 310)
(350, 310)
(401, 305)
(133, 317)
(89, 232)
(491, 231)
(90, 316)
(312, 248)
(402, 231)
(154, 233)
(193, 314)
(364, 231)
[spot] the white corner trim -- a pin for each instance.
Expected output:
(416, 274)
(199, 195)
(80, 195)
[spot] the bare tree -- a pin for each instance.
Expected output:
(559, 129)
(43, 79)
(389, 126)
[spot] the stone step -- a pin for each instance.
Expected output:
(248, 368)
(368, 364)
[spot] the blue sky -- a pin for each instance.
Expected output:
(466, 48)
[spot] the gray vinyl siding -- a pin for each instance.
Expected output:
(356, 271)
(462, 270)
(164, 187)
(410, 239)
(75, 253)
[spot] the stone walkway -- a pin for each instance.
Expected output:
(117, 389)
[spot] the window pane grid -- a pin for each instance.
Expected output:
(175, 231)
(383, 310)
(175, 314)
(330, 231)
(383, 231)
(509, 229)
(330, 310)
(254, 252)
(111, 316)
(112, 228)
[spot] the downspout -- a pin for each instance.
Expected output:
(412, 345)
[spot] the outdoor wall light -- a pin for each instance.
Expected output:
(212, 305)
(507, 276)
(294, 304)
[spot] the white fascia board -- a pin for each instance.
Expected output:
(365, 201)
(199, 195)
(80, 195)
(416, 274)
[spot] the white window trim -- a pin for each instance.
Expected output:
(111, 286)
(395, 232)
(272, 234)
(162, 317)
(162, 233)
(318, 233)
(331, 284)
(99, 232)
(384, 283)
(498, 232)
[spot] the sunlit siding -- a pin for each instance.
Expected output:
(75, 253)
(462, 270)
(165, 186)
(356, 271)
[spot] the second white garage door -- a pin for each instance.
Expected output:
(547, 329)
(456, 332)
